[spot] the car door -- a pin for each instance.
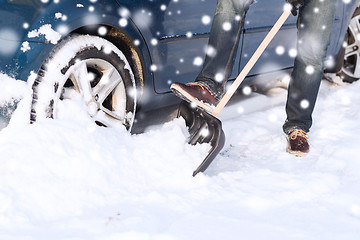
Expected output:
(280, 53)
(179, 39)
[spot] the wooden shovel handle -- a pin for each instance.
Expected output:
(250, 63)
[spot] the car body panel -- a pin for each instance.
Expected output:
(161, 28)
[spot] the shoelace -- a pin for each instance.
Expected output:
(297, 132)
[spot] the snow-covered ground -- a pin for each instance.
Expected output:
(70, 179)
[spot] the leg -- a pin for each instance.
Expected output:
(314, 28)
(223, 43)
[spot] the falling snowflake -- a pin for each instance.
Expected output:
(280, 50)
(154, 42)
(136, 42)
(102, 31)
(219, 77)
(163, 7)
(142, 18)
(304, 104)
(26, 25)
(124, 12)
(293, 52)
(287, 7)
(205, 132)
(309, 69)
(123, 22)
(153, 68)
(189, 34)
(107, 49)
(206, 19)
(330, 62)
(247, 90)
(226, 26)
(210, 51)
(198, 61)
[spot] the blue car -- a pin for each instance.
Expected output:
(122, 55)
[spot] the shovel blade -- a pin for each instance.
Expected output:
(203, 128)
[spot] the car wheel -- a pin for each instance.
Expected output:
(350, 70)
(94, 68)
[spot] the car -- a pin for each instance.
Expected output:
(123, 55)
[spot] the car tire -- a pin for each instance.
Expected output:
(350, 70)
(96, 69)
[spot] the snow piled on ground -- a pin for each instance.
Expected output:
(70, 179)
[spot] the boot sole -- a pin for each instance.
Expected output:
(296, 153)
(189, 98)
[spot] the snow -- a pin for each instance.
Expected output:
(50, 34)
(70, 179)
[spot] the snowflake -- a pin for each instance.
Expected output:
(210, 51)
(136, 42)
(226, 26)
(124, 12)
(247, 90)
(153, 67)
(102, 31)
(304, 104)
(219, 77)
(123, 22)
(293, 52)
(198, 61)
(280, 50)
(206, 19)
(309, 69)
(154, 42)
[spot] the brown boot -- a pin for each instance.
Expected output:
(298, 143)
(195, 93)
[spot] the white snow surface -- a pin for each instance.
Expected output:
(70, 179)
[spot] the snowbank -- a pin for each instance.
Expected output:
(70, 179)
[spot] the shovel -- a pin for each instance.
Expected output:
(205, 127)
